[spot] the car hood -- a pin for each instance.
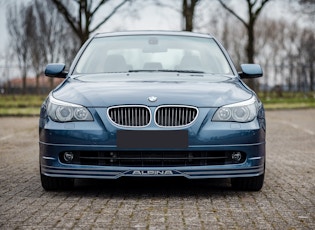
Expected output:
(195, 90)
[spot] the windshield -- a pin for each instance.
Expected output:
(137, 53)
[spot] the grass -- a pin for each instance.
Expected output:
(288, 101)
(29, 105)
(31, 111)
(20, 105)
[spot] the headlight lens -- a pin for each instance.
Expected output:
(64, 112)
(240, 112)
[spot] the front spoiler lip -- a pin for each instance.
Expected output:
(197, 172)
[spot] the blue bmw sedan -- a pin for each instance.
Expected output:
(152, 104)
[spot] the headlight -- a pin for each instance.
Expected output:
(61, 111)
(240, 112)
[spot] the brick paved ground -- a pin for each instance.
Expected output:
(287, 200)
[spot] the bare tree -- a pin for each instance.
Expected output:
(36, 46)
(269, 42)
(38, 38)
(51, 41)
(229, 34)
(79, 14)
(287, 57)
(307, 57)
(17, 23)
(254, 9)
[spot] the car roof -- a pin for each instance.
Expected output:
(153, 32)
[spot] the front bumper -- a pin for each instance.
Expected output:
(252, 166)
(100, 135)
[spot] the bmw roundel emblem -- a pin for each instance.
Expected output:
(152, 99)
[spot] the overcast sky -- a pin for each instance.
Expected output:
(149, 17)
(3, 29)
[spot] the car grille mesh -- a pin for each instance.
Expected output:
(175, 116)
(165, 116)
(130, 115)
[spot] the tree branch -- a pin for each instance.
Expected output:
(63, 10)
(260, 8)
(233, 12)
(98, 6)
(109, 16)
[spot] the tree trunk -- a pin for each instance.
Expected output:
(188, 13)
(250, 51)
(37, 83)
(311, 76)
(84, 36)
(51, 83)
(24, 75)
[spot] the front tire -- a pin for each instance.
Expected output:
(248, 183)
(56, 183)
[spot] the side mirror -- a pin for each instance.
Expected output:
(251, 71)
(56, 70)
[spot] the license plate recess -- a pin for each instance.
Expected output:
(156, 139)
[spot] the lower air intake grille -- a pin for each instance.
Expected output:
(155, 158)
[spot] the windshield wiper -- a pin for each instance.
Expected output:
(142, 70)
(166, 70)
(181, 71)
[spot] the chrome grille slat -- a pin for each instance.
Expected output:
(175, 116)
(130, 116)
